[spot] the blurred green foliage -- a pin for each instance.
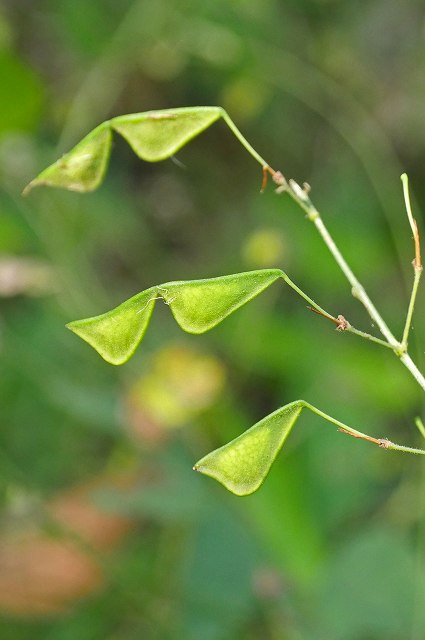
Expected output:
(333, 547)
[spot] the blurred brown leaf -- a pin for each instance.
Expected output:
(43, 575)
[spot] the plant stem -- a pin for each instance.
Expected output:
(357, 290)
(413, 225)
(340, 425)
(301, 197)
(381, 442)
(244, 142)
(306, 297)
(417, 264)
(346, 326)
(399, 447)
(409, 364)
(416, 279)
(368, 336)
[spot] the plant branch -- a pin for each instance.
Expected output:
(358, 291)
(307, 298)
(301, 197)
(411, 308)
(340, 321)
(244, 142)
(384, 443)
(410, 365)
(417, 264)
(368, 336)
(413, 225)
(342, 324)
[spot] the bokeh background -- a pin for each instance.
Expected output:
(106, 533)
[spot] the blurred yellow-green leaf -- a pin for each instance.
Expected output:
(179, 384)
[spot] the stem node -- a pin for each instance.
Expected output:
(401, 350)
(342, 324)
(279, 179)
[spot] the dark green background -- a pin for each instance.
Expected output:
(331, 92)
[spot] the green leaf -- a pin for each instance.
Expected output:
(83, 168)
(243, 464)
(116, 334)
(153, 136)
(157, 135)
(197, 305)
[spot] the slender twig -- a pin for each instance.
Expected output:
(368, 336)
(340, 321)
(342, 324)
(307, 298)
(410, 365)
(245, 143)
(301, 197)
(417, 264)
(413, 225)
(384, 443)
(358, 290)
(411, 308)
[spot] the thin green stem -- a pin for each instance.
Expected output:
(410, 365)
(399, 447)
(339, 424)
(357, 289)
(412, 221)
(417, 277)
(306, 297)
(417, 264)
(301, 197)
(244, 142)
(368, 336)
(381, 442)
(342, 324)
